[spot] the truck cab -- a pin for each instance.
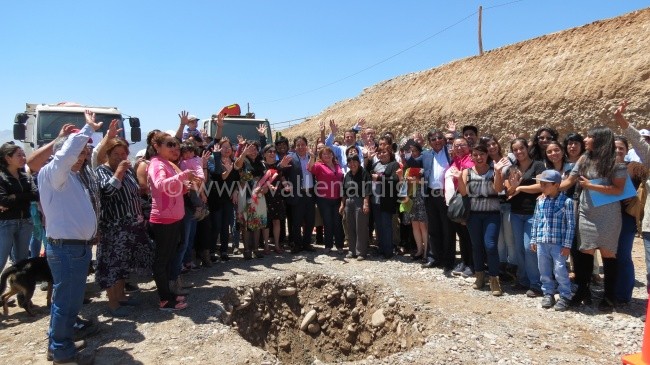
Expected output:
(39, 124)
(234, 125)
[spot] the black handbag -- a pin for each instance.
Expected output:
(458, 210)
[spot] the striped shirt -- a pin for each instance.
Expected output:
(120, 199)
(554, 221)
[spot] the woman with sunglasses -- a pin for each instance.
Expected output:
(542, 137)
(275, 184)
(168, 184)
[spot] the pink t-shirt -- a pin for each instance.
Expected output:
(195, 164)
(167, 189)
(329, 181)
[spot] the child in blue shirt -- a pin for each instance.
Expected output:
(551, 236)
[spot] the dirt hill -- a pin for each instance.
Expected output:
(571, 80)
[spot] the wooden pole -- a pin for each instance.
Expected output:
(480, 38)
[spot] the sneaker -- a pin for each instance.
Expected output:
(84, 328)
(548, 301)
(350, 255)
(130, 288)
(361, 258)
(534, 293)
(467, 273)
(458, 270)
(562, 304)
(172, 305)
(78, 346)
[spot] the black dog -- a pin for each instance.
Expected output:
(22, 278)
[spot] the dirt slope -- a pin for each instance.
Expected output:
(571, 80)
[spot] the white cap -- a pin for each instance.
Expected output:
(141, 153)
(192, 117)
(644, 133)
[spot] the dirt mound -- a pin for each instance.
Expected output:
(571, 80)
(306, 316)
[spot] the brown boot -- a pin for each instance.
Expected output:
(480, 280)
(495, 286)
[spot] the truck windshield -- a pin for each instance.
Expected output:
(246, 128)
(50, 123)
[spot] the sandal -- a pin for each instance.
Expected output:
(171, 305)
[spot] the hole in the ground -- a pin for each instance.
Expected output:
(305, 316)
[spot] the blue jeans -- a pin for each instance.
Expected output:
(189, 233)
(527, 268)
(189, 230)
(506, 240)
(69, 264)
(384, 228)
(484, 233)
(221, 219)
(332, 222)
(624, 264)
(14, 234)
(552, 263)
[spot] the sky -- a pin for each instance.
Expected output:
(285, 59)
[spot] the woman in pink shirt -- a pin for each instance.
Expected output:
(168, 184)
(329, 179)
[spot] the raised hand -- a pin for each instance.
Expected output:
(66, 129)
(618, 115)
(220, 119)
(184, 117)
(285, 162)
(113, 131)
(333, 127)
(91, 121)
(503, 162)
(451, 125)
(250, 150)
(261, 130)
(360, 123)
(321, 126)
(205, 156)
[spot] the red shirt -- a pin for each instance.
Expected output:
(329, 181)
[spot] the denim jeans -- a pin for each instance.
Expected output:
(484, 232)
(624, 264)
(332, 222)
(553, 264)
(187, 244)
(527, 268)
(69, 264)
(14, 235)
(506, 240)
(384, 228)
(221, 219)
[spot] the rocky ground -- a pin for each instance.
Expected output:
(369, 312)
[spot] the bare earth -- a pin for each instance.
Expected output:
(428, 319)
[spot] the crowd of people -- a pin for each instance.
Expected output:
(533, 215)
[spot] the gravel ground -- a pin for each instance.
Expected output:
(458, 325)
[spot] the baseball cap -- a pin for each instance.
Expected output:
(192, 117)
(644, 133)
(551, 176)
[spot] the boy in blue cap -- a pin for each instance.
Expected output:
(551, 236)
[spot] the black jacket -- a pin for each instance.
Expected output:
(16, 195)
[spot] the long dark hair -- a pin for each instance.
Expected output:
(602, 157)
(7, 150)
(536, 152)
(547, 162)
(573, 137)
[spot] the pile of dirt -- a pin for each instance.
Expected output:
(304, 316)
(571, 80)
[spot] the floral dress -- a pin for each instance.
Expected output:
(251, 208)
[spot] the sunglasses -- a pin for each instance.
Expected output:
(436, 138)
(171, 144)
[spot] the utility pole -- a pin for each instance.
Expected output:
(480, 38)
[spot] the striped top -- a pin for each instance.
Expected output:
(120, 200)
(480, 188)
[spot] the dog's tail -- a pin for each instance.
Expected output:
(3, 279)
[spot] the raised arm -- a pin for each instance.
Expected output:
(99, 156)
(39, 158)
(184, 120)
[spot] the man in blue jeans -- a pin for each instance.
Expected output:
(70, 233)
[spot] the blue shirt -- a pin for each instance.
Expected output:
(554, 221)
(65, 201)
(339, 152)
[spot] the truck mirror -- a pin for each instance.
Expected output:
(134, 122)
(21, 118)
(19, 131)
(136, 134)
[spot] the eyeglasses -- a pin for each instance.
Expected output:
(171, 144)
(438, 138)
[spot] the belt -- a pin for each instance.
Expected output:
(65, 241)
